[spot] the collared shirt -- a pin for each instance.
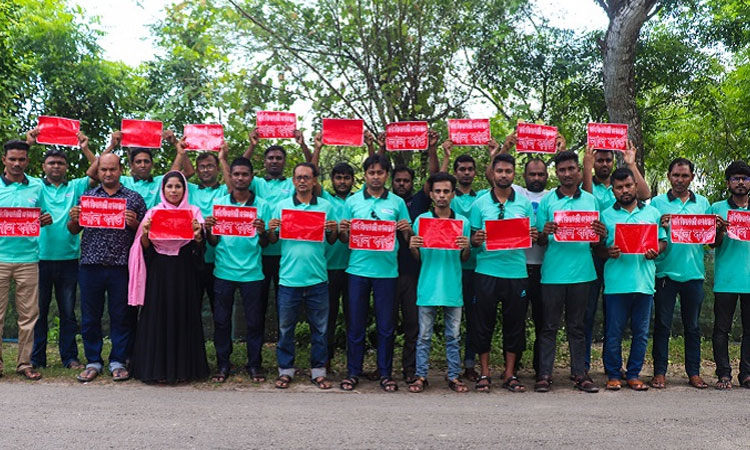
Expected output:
(535, 254)
(24, 194)
(55, 241)
(440, 275)
(603, 194)
(337, 255)
(375, 264)
(272, 191)
(461, 203)
(203, 197)
(732, 257)
(238, 258)
(681, 262)
(303, 263)
(148, 188)
(566, 262)
(630, 274)
(417, 204)
(501, 263)
(107, 246)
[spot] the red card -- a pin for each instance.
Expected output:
(141, 133)
(58, 131)
(102, 212)
(375, 235)
(406, 136)
(469, 132)
(344, 132)
(575, 226)
(19, 222)
(534, 138)
(171, 225)
(636, 238)
(508, 234)
(275, 124)
(298, 225)
(608, 136)
(739, 225)
(692, 228)
(234, 220)
(440, 233)
(203, 137)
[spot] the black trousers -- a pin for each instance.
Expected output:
(338, 293)
(406, 302)
(206, 283)
(271, 274)
(535, 302)
(573, 298)
(491, 291)
(724, 307)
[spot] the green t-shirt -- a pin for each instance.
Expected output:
(56, 243)
(566, 262)
(500, 263)
(732, 257)
(239, 258)
(389, 206)
(204, 197)
(303, 263)
(337, 255)
(27, 194)
(440, 274)
(681, 262)
(630, 274)
(461, 204)
(149, 189)
(272, 191)
(603, 194)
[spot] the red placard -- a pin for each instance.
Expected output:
(171, 225)
(58, 131)
(440, 233)
(535, 138)
(469, 132)
(19, 222)
(607, 136)
(203, 137)
(575, 226)
(141, 133)
(102, 212)
(299, 225)
(344, 132)
(234, 220)
(692, 228)
(275, 124)
(739, 225)
(375, 235)
(507, 234)
(406, 136)
(636, 238)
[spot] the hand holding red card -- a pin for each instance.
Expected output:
(607, 136)
(739, 225)
(575, 226)
(203, 137)
(534, 138)
(299, 225)
(58, 131)
(171, 225)
(692, 228)
(469, 132)
(19, 222)
(375, 235)
(508, 234)
(141, 133)
(344, 132)
(102, 212)
(275, 124)
(440, 233)
(406, 136)
(234, 221)
(637, 238)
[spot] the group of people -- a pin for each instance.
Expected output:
(154, 287)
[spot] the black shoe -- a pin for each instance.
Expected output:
(543, 384)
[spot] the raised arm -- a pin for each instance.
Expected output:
(447, 149)
(643, 191)
(254, 139)
(300, 139)
(114, 141)
(588, 167)
(224, 164)
(494, 149)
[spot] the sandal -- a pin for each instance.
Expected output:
(75, 365)
(418, 385)
(543, 384)
(388, 385)
(31, 374)
(697, 382)
(586, 384)
(637, 385)
(724, 383)
(457, 385)
(658, 382)
(87, 375)
(745, 383)
(257, 374)
(120, 374)
(221, 376)
(349, 383)
(282, 382)
(512, 384)
(483, 384)
(322, 382)
(613, 385)
(471, 374)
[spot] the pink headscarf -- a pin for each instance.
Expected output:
(136, 262)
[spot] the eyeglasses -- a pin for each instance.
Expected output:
(501, 207)
(303, 177)
(738, 179)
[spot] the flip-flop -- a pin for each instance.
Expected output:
(118, 375)
(88, 374)
(31, 374)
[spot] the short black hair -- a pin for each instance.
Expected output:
(16, 144)
(604, 152)
(621, 174)
(343, 169)
(681, 162)
(503, 157)
(737, 168)
(377, 159)
(465, 158)
(533, 160)
(205, 155)
(135, 151)
(275, 148)
(563, 156)
(441, 176)
(241, 161)
(402, 168)
(312, 167)
(53, 152)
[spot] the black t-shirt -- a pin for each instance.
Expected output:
(418, 204)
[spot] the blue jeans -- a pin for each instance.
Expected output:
(96, 281)
(254, 305)
(383, 290)
(620, 308)
(315, 301)
(427, 316)
(588, 321)
(63, 277)
(691, 299)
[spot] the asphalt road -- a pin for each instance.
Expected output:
(133, 415)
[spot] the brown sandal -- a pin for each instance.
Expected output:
(637, 385)
(697, 382)
(457, 385)
(658, 382)
(418, 385)
(31, 374)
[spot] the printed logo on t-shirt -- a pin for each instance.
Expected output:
(69, 194)
(386, 210)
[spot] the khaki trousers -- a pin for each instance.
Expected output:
(26, 276)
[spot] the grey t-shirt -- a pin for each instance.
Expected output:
(534, 255)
